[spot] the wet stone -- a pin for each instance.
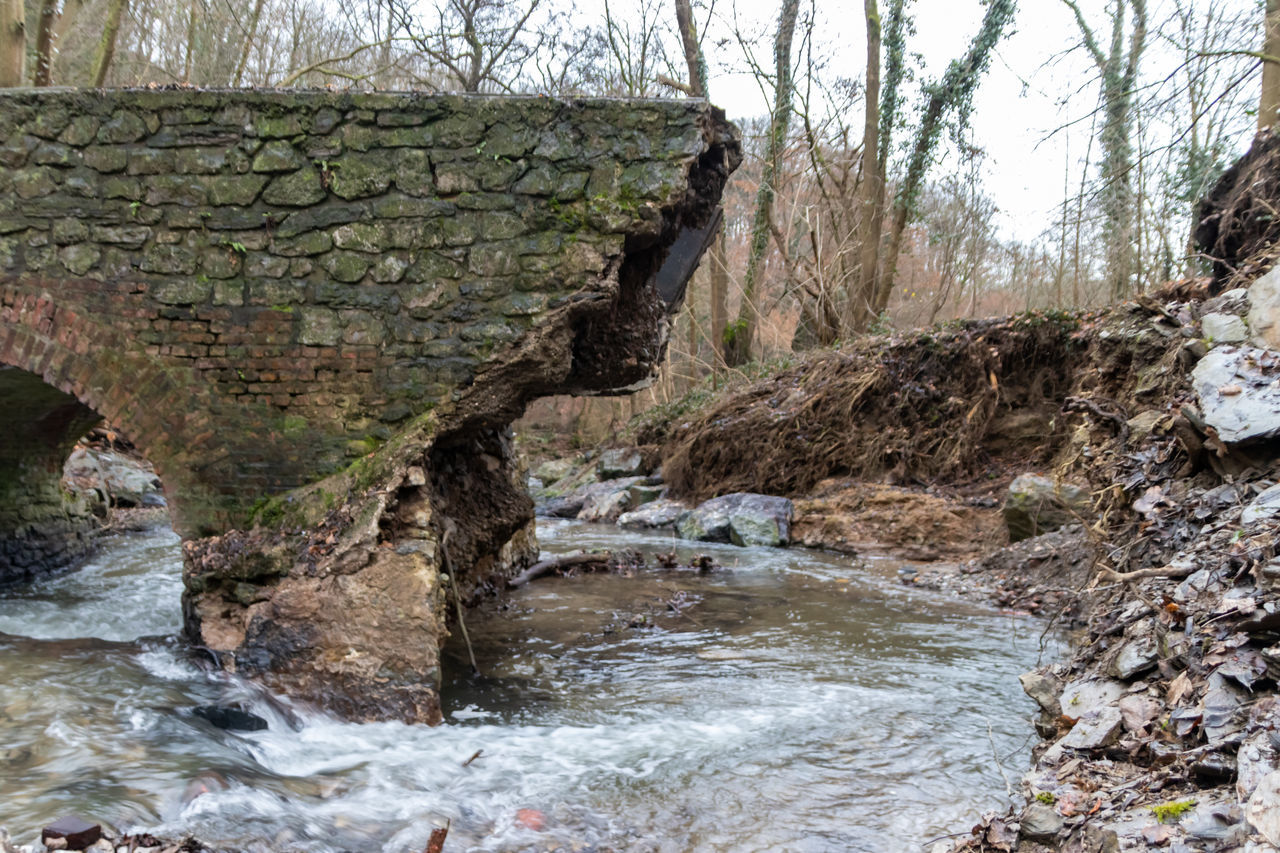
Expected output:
(72, 832)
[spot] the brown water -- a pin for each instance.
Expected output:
(792, 701)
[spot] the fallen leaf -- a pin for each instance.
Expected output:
(1178, 688)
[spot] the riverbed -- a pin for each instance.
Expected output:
(786, 700)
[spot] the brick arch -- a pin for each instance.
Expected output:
(93, 367)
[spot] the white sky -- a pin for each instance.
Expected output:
(1012, 121)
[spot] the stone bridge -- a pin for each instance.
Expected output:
(317, 313)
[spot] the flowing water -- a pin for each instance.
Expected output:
(792, 700)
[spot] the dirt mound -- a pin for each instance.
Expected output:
(855, 517)
(1238, 224)
(917, 407)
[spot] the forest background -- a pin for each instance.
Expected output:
(906, 163)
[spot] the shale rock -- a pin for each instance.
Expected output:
(1238, 393)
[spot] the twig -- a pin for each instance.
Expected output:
(457, 599)
(473, 757)
(995, 753)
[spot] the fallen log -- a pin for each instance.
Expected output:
(565, 561)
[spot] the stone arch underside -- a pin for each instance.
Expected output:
(317, 314)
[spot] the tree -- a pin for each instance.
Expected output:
(738, 337)
(13, 43)
(1118, 71)
(1269, 104)
(698, 88)
(480, 45)
(872, 179)
(952, 94)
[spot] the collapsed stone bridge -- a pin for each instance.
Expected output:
(316, 313)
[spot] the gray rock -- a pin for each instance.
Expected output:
(607, 500)
(1096, 729)
(1138, 654)
(1255, 760)
(659, 513)
(620, 462)
(1234, 301)
(1224, 328)
(1264, 310)
(1264, 506)
(1042, 688)
(1085, 696)
(643, 493)
(741, 518)
(564, 507)
(1039, 822)
(1036, 504)
(1238, 394)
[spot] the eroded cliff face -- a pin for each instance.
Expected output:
(343, 591)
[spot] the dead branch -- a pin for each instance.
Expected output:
(546, 567)
(1138, 574)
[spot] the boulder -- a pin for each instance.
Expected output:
(127, 481)
(659, 513)
(1037, 504)
(645, 492)
(621, 462)
(741, 518)
(607, 500)
(1238, 393)
(565, 507)
(554, 470)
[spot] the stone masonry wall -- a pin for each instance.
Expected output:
(258, 287)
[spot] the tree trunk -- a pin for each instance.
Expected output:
(44, 42)
(107, 44)
(250, 37)
(872, 189)
(953, 92)
(1269, 105)
(739, 337)
(13, 43)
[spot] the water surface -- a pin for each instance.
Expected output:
(792, 700)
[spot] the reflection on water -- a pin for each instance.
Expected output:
(793, 701)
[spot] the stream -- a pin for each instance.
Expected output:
(791, 700)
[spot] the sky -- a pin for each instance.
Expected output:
(1034, 87)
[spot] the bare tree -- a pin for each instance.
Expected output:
(952, 94)
(479, 45)
(1118, 70)
(738, 337)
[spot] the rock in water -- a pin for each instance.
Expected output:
(72, 832)
(230, 719)
(659, 513)
(741, 518)
(1037, 504)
